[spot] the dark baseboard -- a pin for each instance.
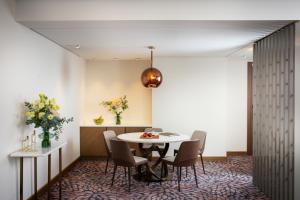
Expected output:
(236, 153)
(55, 179)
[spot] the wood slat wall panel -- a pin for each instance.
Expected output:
(273, 114)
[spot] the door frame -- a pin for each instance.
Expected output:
(250, 108)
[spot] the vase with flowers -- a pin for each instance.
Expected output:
(43, 113)
(117, 106)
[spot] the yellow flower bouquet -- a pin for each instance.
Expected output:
(43, 113)
(117, 106)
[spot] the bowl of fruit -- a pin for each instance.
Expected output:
(149, 135)
(99, 120)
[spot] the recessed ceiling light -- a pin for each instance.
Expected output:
(77, 46)
(138, 59)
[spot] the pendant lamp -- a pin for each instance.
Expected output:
(151, 77)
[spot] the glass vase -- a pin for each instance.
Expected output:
(46, 143)
(118, 119)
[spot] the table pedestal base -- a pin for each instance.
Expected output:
(150, 175)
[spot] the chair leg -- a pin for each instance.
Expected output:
(186, 171)
(115, 169)
(129, 178)
(174, 155)
(202, 163)
(107, 160)
(180, 172)
(125, 171)
(147, 173)
(161, 171)
(195, 175)
(178, 178)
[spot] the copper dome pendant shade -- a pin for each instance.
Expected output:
(151, 77)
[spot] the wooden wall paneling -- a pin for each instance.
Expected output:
(92, 141)
(134, 129)
(118, 130)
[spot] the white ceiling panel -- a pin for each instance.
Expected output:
(129, 39)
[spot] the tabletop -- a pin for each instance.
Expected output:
(164, 137)
(37, 151)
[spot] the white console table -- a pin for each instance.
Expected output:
(35, 152)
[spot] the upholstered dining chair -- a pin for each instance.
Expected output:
(122, 156)
(200, 135)
(186, 157)
(108, 135)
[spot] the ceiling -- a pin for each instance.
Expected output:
(129, 39)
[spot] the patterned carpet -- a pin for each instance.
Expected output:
(229, 179)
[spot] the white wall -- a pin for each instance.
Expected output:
(297, 113)
(237, 104)
(110, 79)
(203, 93)
(29, 64)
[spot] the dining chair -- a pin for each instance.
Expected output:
(108, 135)
(122, 156)
(200, 135)
(186, 157)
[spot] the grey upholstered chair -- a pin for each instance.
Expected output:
(122, 156)
(200, 135)
(186, 157)
(108, 135)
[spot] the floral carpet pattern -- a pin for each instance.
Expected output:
(231, 179)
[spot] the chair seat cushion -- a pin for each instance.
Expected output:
(169, 159)
(140, 160)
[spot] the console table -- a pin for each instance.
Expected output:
(35, 152)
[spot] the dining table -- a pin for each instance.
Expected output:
(160, 143)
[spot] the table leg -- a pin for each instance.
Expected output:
(60, 171)
(35, 177)
(49, 175)
(21, 178)
(162, 154)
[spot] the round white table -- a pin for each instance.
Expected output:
(164, 138)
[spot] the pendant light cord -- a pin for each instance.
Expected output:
(151, 58)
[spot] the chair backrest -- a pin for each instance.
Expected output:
(108, 135)
(153, 130)
(188, 153)
(121, 154)
(200, 135)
